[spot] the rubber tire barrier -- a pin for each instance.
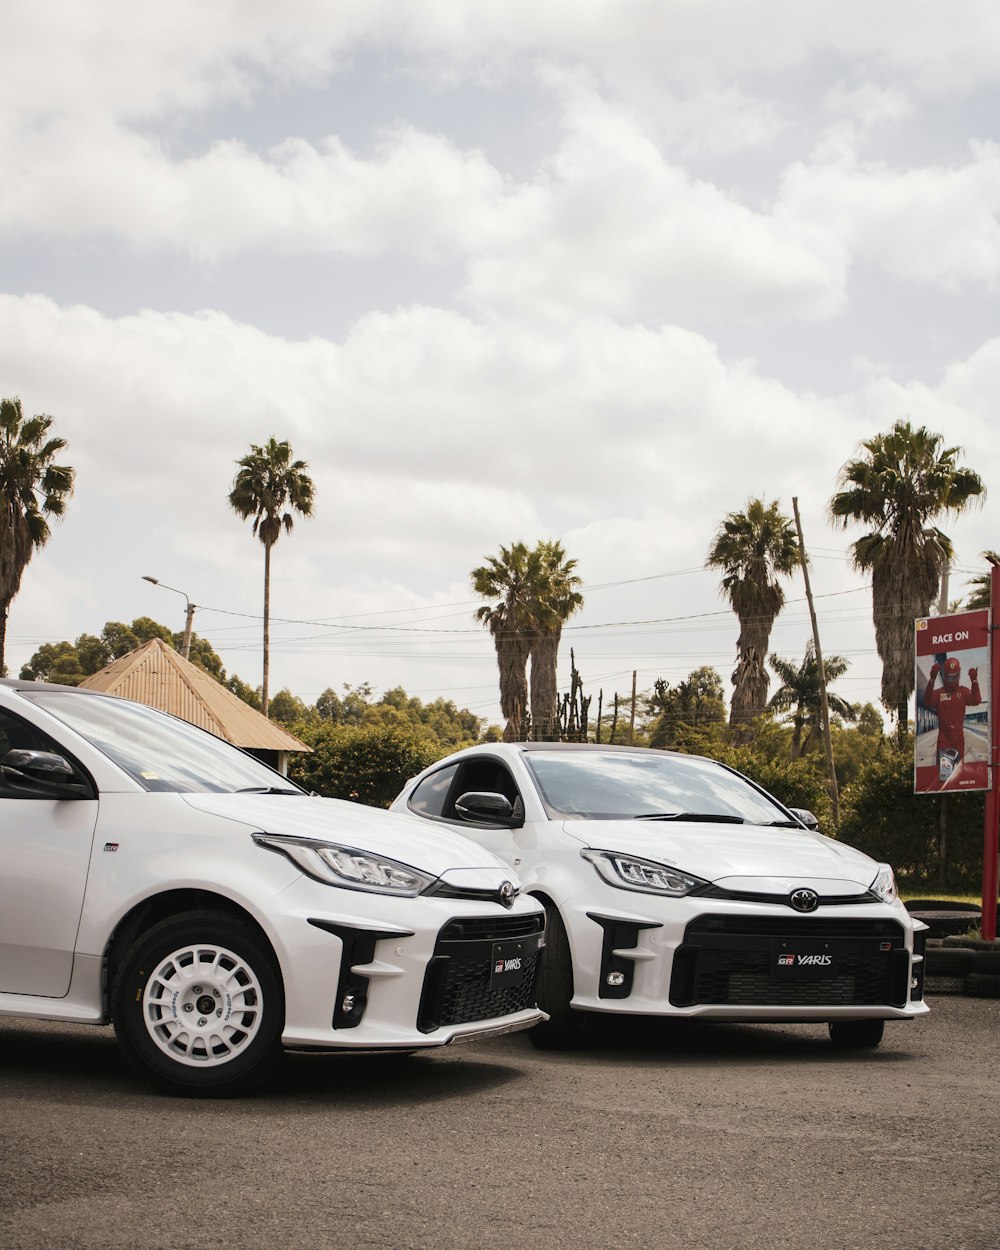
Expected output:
(948, 962)
(982, 985)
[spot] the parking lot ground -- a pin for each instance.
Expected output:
(654, 1134)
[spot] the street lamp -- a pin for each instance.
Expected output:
(189, 618)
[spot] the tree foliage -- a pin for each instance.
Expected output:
(70, 662)
(753, 550)
(268, 488)
(800, 695)
(533, 593)
(883, 817)
(902, 483)
(675, 714)
(33, 488)
(364, 763)
(980, 585)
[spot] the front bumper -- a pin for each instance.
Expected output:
(368, 972)
(740, 960)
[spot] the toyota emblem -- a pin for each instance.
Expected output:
(507, 893)
(804, 900)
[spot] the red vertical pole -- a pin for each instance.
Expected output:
(991, 823)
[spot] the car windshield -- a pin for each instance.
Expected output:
(158, 751)
(622, 785)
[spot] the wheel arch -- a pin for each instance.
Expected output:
(158, 907)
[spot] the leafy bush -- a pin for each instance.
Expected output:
(365, 763)
(885, 819)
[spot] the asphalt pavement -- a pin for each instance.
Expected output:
(654, 1135)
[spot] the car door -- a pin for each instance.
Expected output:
(45, 848)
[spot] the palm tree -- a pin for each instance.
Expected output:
(268, 482)
(980, 597)
(799, 693)
(901, 484)
(556, 599)
(32, 488)
(511, 580)
(753, 549)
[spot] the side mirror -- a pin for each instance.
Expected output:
(484, 807)
(43, 775)
(804, 817)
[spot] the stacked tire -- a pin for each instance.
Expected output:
(956, 965)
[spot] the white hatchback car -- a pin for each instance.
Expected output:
(676, 886)
(158, 877)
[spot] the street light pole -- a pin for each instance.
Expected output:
(189, 616)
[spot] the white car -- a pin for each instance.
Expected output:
(156, 876)
(675, 886)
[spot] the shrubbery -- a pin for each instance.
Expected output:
(365, 763)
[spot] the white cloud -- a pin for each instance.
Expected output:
(934, 224)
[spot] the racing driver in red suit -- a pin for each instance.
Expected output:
(950, 703)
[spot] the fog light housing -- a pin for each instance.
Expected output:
(615, 979)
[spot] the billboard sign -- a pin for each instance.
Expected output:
(952, 749)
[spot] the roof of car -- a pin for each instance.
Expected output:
(587, 746)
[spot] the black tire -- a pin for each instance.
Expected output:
(986, 961)
(856, 1034)
(211, 1032)
(555, 990)
(982, 985)
(947, 962)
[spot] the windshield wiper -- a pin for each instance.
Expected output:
(782, 824)
(267, 790)
(715, 817)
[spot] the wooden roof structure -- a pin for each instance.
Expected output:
(160, 677)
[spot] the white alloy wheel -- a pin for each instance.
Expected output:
(203, 1005)
(199, 1005)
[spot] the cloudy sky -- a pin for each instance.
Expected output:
(594, 270)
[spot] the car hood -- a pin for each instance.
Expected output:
(779, 858)
(397, 836)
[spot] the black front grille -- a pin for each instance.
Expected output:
(730, 960)
(491, 928)
(457, 986)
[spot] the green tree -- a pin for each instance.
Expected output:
(799, 694)
(753, 549)
(364, 763)
(511, 580)
(269, 486)
(901, 484)
(289, 709)
(679, 711)
(556, 598)
(980, 586)
(70, 662)
(32, 489)
(881, 816)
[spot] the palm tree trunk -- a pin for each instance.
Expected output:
(267, 627)
(544, 687)
(4, 607)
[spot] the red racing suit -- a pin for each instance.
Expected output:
(950, 707)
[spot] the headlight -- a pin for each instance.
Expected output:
(884, 885)
(347, 866)
(628, 872)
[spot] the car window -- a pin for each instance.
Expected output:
(430, 795)
(595, 785)
(437, 794)
(19, 735)
(158, 751)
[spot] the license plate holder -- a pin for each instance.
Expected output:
(794, 960)
(509, 963)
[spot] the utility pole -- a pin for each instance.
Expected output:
(631, 719)
(824, 703)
